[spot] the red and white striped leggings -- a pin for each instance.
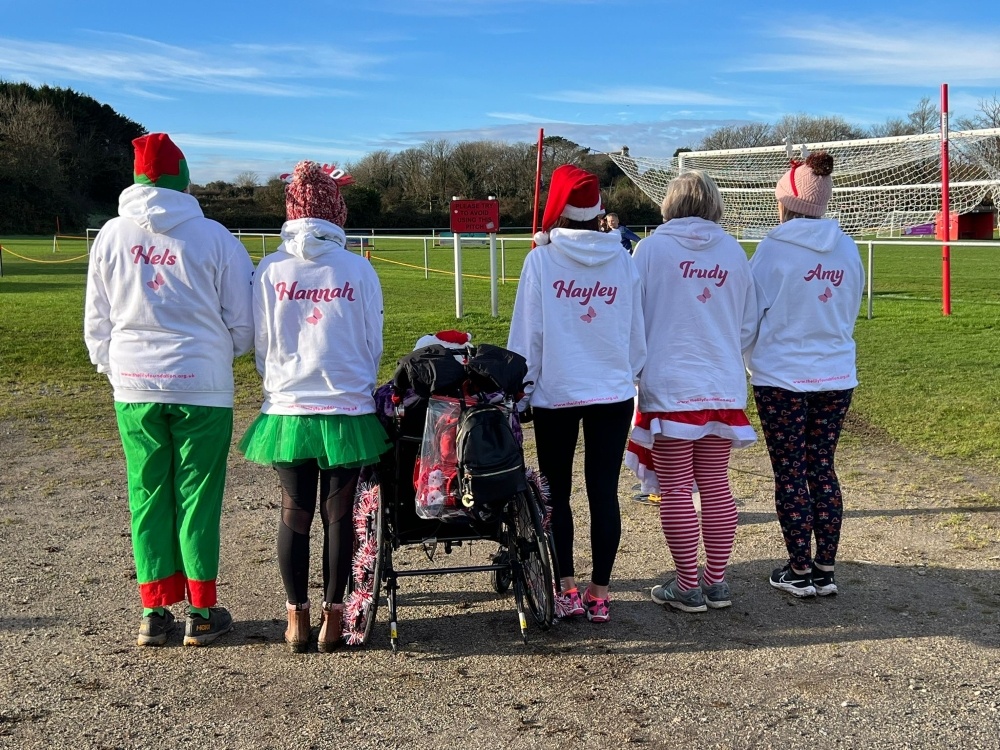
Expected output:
(679, 464)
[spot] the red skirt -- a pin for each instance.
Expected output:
(729, 424)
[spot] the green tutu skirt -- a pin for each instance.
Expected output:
(334, 440)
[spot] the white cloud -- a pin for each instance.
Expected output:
(635, 95)
(307, 150)
(471, 8)
(218, 156)
(522, 117)
(147, 65)
(653, 139)
(142, 93)
(896, 54)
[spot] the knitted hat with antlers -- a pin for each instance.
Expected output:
(313, 194)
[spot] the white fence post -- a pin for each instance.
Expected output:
(458, 274)
(494, 299)
(427, 274)
(871, 262)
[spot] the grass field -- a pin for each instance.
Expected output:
(929, 381)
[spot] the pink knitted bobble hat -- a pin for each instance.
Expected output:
(806, 187)
(313, 194)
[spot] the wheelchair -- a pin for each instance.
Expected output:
(388, 516)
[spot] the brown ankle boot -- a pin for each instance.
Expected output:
(331, 632)
(297, 632)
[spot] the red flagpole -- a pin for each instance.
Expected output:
(538, 186)
(945, 207)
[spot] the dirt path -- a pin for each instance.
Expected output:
(906, 656)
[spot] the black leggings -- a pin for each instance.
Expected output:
(298, 506)
(605, 431)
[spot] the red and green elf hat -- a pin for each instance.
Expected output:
(158, 162)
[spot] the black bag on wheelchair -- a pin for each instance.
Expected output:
(493, 368)
(490, 461)
(430, 370)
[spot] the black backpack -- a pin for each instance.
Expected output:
(490, 462)
(430, 370)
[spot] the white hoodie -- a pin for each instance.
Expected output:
(809, 281)
(578, 320)
(168, 301)
(318, 315)
(700, 312)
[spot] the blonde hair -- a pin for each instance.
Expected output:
(693, 193)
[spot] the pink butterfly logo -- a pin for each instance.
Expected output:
(316, 317)
(589, 315)
(705, 296)
(157, 282)
(826, 295)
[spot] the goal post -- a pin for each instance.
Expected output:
(91, 236)
(876, 180)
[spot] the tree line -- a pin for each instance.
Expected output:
(63, 154)
(413, 188)
(63, 157)
(924, 118)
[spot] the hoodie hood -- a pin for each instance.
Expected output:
(818, 235)
(693, 232)
(585, 246)
(156, 209)
(310, 238)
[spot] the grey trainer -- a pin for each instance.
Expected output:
(717, 595)
(154, 629)
(690, 600)
(200, 631)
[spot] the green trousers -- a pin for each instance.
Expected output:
(175, 457)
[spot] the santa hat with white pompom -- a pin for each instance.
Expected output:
(449, 339)
(574, 193)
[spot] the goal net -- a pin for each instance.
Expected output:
(880, 185)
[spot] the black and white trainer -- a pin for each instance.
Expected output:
(824, 582)
(796, 584)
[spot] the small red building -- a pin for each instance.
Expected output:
(977, 224)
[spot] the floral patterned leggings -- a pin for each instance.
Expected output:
(802, 431)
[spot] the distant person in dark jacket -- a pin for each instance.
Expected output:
(627, 235)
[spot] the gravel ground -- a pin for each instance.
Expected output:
(906, 656)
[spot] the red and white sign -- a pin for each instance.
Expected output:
(475, 217)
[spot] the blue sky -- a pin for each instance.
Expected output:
(258, 86)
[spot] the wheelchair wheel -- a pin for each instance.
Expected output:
(500, 580)
(533, 575)
(369, 562)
